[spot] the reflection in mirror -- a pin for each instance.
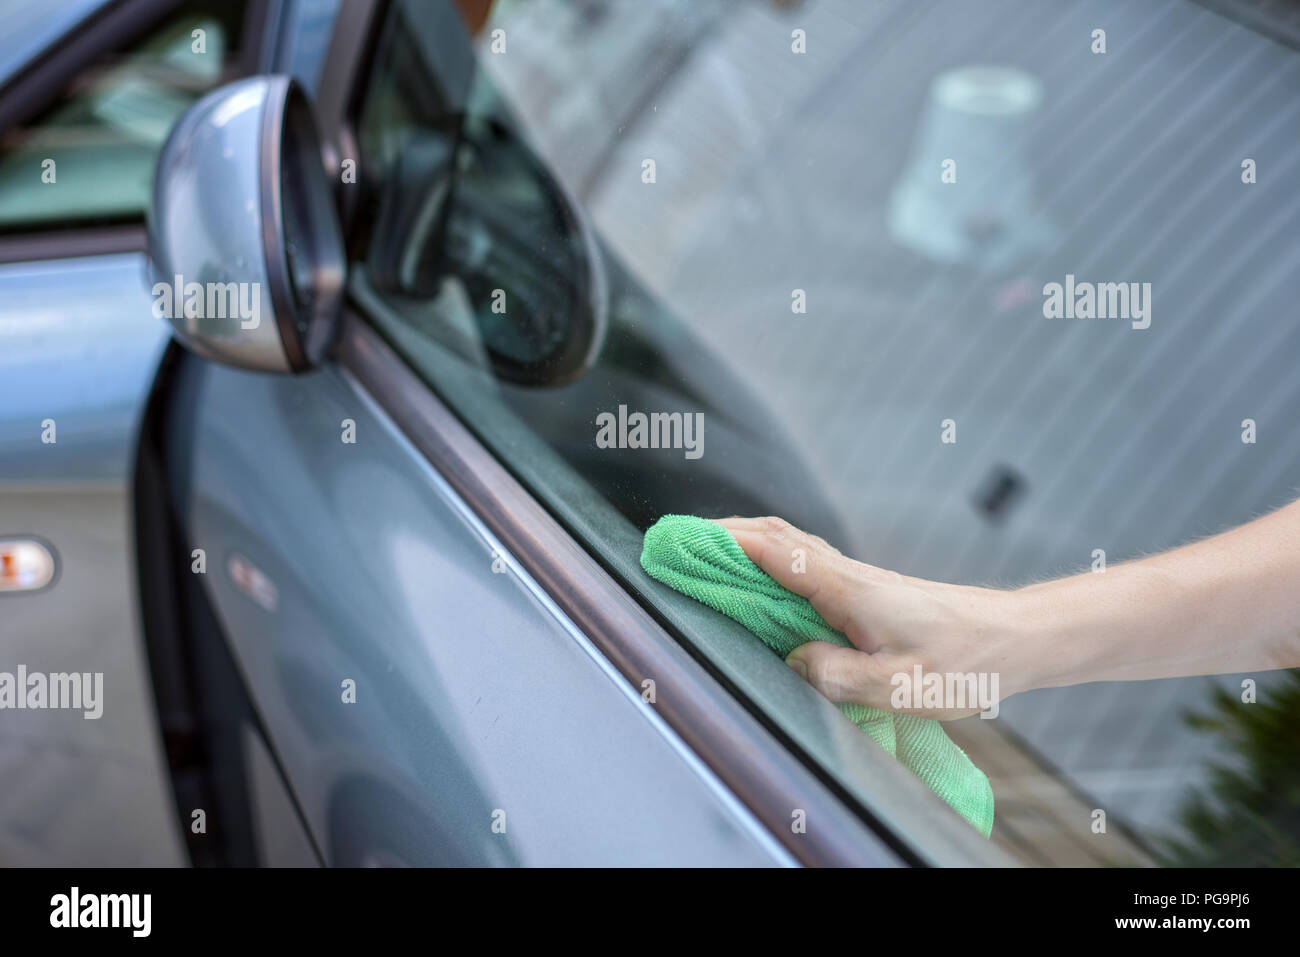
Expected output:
(465, 212)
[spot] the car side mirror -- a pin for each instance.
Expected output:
(246, 252)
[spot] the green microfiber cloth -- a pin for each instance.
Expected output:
(701, 559)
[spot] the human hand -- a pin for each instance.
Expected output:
(896, 624)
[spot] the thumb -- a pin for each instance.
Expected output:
(842, 674)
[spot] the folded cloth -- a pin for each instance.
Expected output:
(701, 559)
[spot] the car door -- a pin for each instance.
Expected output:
(87, 93)
(348, 591)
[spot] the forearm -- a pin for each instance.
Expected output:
(1227, 604)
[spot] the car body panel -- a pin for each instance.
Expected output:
(87, 791)
(477, 703)
(79, 351)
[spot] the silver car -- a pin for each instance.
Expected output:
(311, 312)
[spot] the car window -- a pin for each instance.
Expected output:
(90, 156)
(736, 211)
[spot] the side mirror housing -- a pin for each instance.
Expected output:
(246, 253)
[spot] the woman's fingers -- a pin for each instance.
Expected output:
(802, 563)
(843, 674)
(896, 624)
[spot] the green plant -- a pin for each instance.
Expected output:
(1250, 814)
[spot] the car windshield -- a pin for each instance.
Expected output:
(854, 237)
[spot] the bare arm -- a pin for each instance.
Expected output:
(1230, 603)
